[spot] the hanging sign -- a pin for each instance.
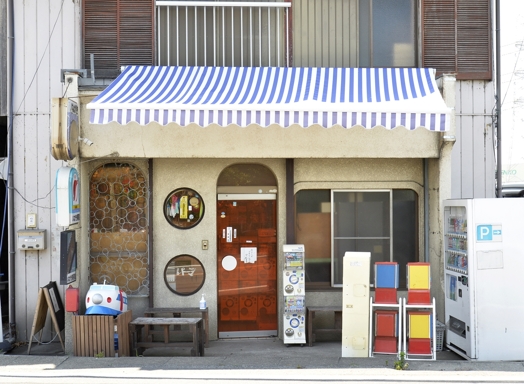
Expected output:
(67, 186)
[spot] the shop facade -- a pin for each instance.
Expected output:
(312, 167)
(158, 197)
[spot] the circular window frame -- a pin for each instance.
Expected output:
(175, 221)
(194, 260)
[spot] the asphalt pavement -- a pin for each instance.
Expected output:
(239, 361)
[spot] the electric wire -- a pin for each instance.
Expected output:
(20, 106)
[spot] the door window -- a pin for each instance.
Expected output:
(118, 228)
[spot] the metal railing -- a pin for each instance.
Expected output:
(216, 33)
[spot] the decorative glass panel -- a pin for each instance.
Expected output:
(118, 226)
(184, 208)
(184, 275)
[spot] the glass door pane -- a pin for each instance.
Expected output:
(247, 268)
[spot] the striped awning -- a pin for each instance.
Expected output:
(367, 97)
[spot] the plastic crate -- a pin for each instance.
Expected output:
(439, 339)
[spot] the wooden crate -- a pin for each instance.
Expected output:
(93, 335)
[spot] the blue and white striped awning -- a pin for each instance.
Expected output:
(367, 97)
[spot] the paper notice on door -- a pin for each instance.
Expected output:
(248, 254)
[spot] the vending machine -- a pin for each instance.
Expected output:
(294, 294)
(483, 264)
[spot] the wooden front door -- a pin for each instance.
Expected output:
(247, 266)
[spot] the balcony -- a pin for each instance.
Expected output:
(211, 33)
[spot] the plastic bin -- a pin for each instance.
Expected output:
(439, 339)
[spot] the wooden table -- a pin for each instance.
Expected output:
(310, 315)
(177, 312)
(141, 335)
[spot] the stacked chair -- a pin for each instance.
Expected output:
(419, 314)
(385, 311)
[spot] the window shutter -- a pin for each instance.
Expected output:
(456, 37)
(118, 32)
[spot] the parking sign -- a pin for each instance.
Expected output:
(489, 232)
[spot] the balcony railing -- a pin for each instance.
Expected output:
(217, 33)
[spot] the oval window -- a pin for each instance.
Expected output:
(184, 275)
(184, 208)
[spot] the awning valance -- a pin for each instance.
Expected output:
(368, 97)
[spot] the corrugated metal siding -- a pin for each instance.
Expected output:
(474, 153)
(321, 33)
(47, 35)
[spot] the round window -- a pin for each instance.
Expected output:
(184, 275)
(184, 208)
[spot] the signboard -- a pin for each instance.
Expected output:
(67, 196)
(489, 232)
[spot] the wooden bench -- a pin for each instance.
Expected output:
(140, 334)
(177, 312)
(310, 315)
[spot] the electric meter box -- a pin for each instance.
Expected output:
(31, 239)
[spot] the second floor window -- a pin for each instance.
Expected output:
(355, 33)
(386, 31)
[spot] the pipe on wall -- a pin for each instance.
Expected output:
(10, 215)
(499, 114)
(426, 212)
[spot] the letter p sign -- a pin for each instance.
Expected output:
(487, 232)
(484, 233)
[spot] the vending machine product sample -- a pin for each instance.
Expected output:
(294, 294)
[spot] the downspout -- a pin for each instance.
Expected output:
(150, 235)
(499, 114)
(290, 201)
(426, 212)
(10, 188)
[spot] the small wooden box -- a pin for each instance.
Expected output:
(93, 335)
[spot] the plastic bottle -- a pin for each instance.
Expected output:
(115, 340)
(203, 304)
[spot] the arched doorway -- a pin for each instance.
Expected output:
(246, 252)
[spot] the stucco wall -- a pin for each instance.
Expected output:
(201, 175)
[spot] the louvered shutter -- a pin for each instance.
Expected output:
(456, 37)
(118, 32)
